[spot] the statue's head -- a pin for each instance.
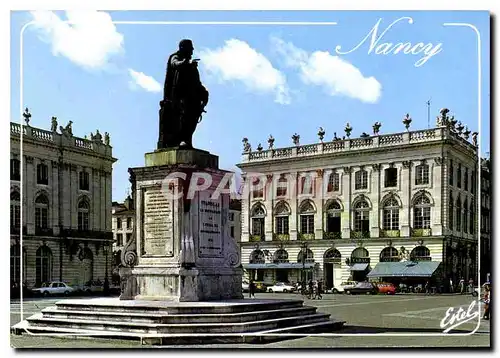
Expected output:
(186, 47)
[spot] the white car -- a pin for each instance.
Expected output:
(245, 286)
(281, 287)
(54, 288)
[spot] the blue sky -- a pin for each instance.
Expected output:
(271, 79)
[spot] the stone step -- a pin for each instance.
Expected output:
(151, 317)
(196, 328)
(215, 307)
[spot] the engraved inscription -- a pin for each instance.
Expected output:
(158, 219)
(210, 227)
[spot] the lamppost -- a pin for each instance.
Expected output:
(106, 281)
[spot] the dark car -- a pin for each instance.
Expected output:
(363, 287)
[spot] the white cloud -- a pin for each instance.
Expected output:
(335, 75)
(90, 40)
(146, 82)
(237, 61)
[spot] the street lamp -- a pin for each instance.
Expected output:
(106, 281)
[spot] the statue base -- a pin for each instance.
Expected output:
(180, 155)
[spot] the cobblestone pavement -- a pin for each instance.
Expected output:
(412, 315)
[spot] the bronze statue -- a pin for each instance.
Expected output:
(184, 99)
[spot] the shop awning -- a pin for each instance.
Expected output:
(404, 269)
(359, 267)
(282, 265)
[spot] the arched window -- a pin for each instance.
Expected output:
(306, 213)
(458, 216)
(257, 257)
(42, 174)
(83, 215)
(422, 212)
(360, 252)
(309, 256)
(43, 265)
(391, 214)
(333, 256)
(362, 216)
(280, 256)
(282, 214)
(464, 213)
(389, 254)
(87, 265)
(333, 182)
(41, 212)
(451, 212)
(471, 217)
(333, 217)
(420, 253)
(258, 217)
(15, 210)
(361, 179)
(422, 174)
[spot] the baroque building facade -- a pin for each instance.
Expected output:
(334, 210)
(235, 219)
(61, 184)
(123, 223)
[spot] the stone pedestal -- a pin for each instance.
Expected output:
(184, 248)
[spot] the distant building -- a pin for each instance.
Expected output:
(335, 210)
(235, 219)
(123, 223)
(66, 186)
(485, 219)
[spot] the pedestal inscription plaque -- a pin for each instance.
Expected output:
(210, 241)
(157, 223)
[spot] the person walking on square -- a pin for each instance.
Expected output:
(462, 286)
(320, 290)
(487, 302)
(251, 289)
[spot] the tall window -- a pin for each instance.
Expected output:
(391, 214)
(281, 187)
(471, 217)
(306, 184)
(282, 215)
(15, 263)
(258, 218)
(307, 218)
(450, 211)
(422, 212)
(333, 217)
(466, 179)
(389, 254)
(129, 223)
(473, 182)
(459, 175)
(43, 265)
(464, 213)
(15, 210)
(15, 173)
(41, 212)
(333, 182)
(458, 216)
(422, 174)
(118, 223)
(390, 177)
(42, 174)
(119, 239)
(84, 180)
(361, 216)
(361, 179)
(83, 215)
(258, 188)
(451, 172)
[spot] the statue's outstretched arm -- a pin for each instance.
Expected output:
(176, 62)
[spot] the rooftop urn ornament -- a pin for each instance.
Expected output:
(376, 127)
(474, 138)
(296, 139)
(247, 148)
(466, 133)
(270, 141)
(106, 138)
(53, 126)
(259, 147)
(407, 121)
(348, 130)
(460, 127)
(321, 134)
(27, 116)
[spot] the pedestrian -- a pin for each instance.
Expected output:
(251, 289)
(311, 288)
(462, 286)
(320, 289)
(486, 300)
(451, 286)
(427, 287)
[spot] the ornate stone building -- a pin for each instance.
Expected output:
(123, 223)
(334, 210)
(235, 219)
(65, 185)
(485, 262)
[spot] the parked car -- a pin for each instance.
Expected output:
(345, 286)
(245, 286)
(260, 286)
(363, 287)
(93, 287)
(54, 288)
(386, 288)
(281, 287)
